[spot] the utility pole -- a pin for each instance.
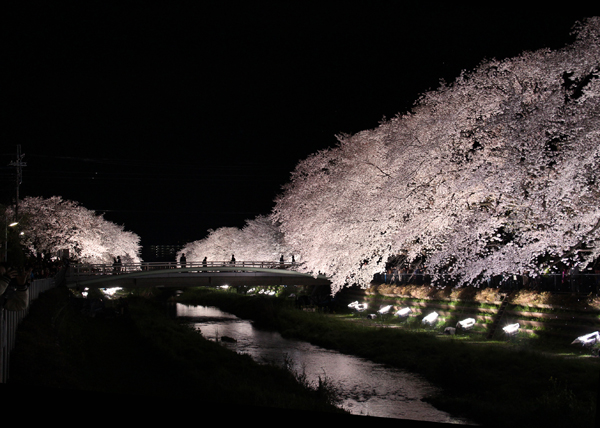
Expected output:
(18, 164)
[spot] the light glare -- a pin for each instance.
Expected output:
(385, 309)
(403, 312)
(511, 328)
(431, 318)
(467, 323)
(588, 339)
(358, 306)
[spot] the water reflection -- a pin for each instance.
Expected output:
(367, 388)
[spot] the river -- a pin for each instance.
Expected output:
(365, 388)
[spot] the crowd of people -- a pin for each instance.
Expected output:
(15, 281)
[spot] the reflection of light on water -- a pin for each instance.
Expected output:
(201, 312)
(367, 388)
(111, 291)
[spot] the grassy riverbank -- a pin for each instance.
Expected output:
(494, 383)
(144, 355)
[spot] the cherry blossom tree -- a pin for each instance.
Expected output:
(259, 240)
(496, 173)
(54, 224)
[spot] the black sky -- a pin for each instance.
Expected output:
(173, 119)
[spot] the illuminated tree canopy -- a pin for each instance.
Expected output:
(496, 173)
(53, 224)
(258, 240)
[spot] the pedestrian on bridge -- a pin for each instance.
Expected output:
(182, 260)
(232, 260)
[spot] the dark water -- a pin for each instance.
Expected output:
(366, 388)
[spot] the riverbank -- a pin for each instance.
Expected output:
(136, 354)
(494, 383)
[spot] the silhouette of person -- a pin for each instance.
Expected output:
(232, 260)
(182, 260)
(14, 288)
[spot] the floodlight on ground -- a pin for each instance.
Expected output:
(358, 306)
(588, 339)
(466, 324)
(511, 328)
(431, 318)
(385, 309)
(404, 312)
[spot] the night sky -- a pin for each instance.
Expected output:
(172, 119)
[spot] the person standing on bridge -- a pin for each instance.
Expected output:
(182, 260)
(232, 260)
(204, 263)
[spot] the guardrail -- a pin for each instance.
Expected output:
(10, 320)
(115, 269)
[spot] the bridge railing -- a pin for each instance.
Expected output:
(116, 269)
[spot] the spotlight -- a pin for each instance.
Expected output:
(466, 324)
(404, 312)
(385, 309)
(358, 306)
(511, 328)
(588, 339)
(431, 318)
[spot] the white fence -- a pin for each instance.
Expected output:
(10, 320)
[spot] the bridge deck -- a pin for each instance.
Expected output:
(172, 274)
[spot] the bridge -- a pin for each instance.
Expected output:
(192, 274)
